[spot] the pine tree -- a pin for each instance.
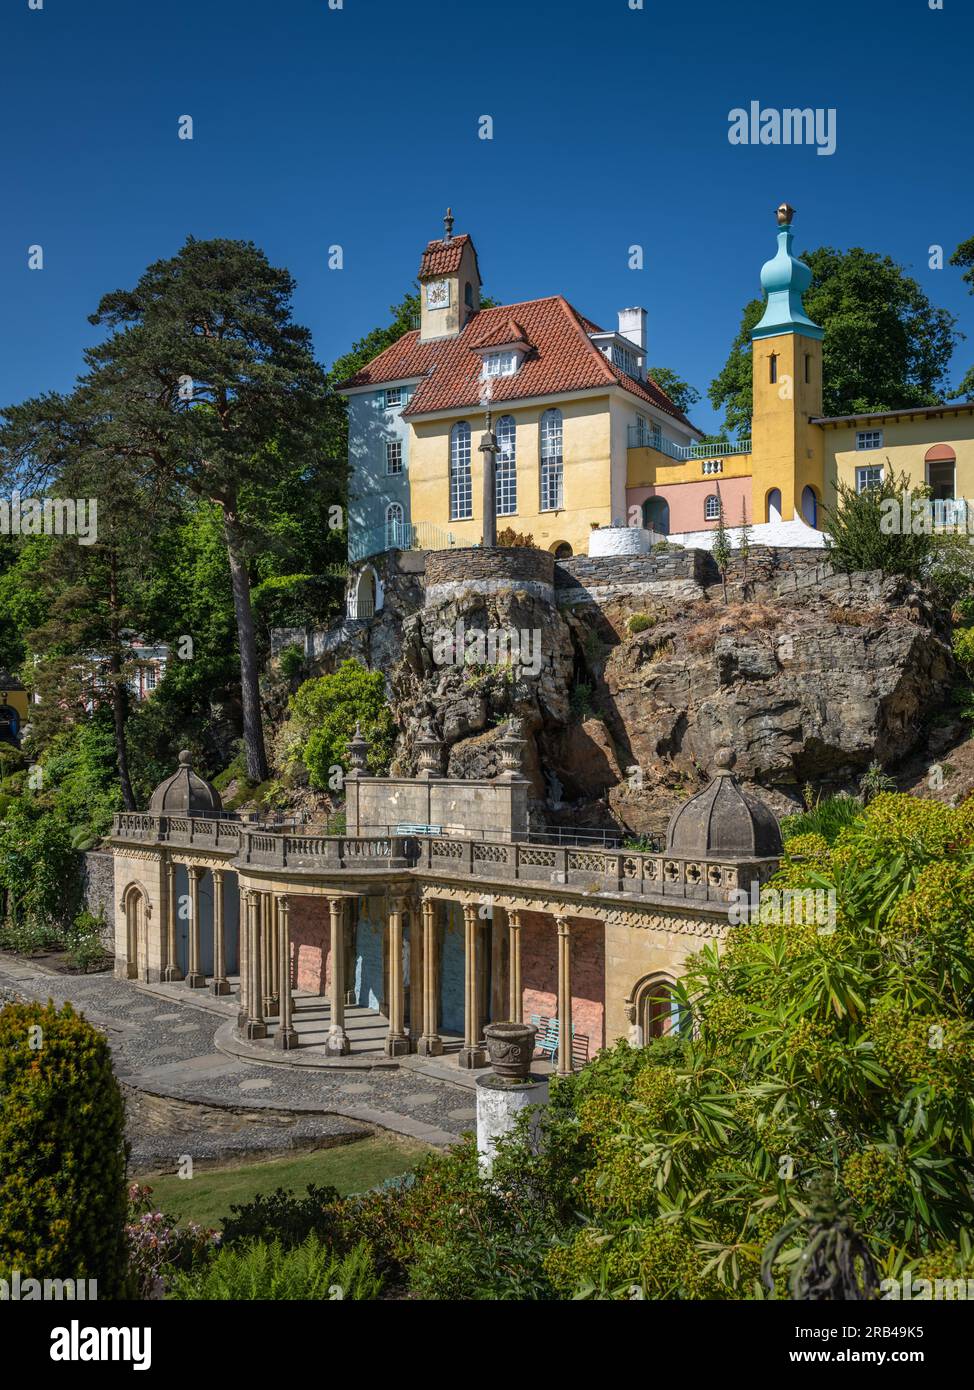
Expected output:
(721, 549)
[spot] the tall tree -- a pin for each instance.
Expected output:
(207, 376)
(964, 256)
(886, 346)
(681, 393)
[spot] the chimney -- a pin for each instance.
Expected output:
(632, 325)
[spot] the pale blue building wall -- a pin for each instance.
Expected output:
(371, 489)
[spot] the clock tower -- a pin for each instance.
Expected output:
(449, 284)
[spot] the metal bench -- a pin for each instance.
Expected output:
(547, 1040)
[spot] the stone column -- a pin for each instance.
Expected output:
(195, 978)
(256, 1026)
(516, 998)
(396, 1043)
(221, 985)
(430, 1043)
(338, 1044)
(273, 954)
(417, 975)
(286, 1036)
(473, 1053)
(172, 971)
(349, 948)
(264, 923)
(564, 996)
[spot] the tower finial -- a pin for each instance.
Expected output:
(785, 214)
(448, 224)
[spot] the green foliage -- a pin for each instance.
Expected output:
(283, 1216)
(860, 535)
(63, 1197)
(963, 644)
(641, 622)
(873, 781)
(681, 393)
(268, 1270)
(580, 701)
(323, 715)
(857, 296)
(964, 256)
(39, 868)
(826, 818)
(158, 1247)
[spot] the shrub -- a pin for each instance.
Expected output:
(639, 622)
(963, 643)
(291, 661)
(63, 1196)
(827, 818)
(861, 535)
(324, 713)
(284, 1216)
(39, 867)
(268, 1270)
(159, 1248)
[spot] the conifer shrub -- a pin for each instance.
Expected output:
(63, 1196)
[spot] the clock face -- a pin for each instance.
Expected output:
(438, 294)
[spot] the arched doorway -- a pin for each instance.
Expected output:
(656, 515)
(809, 507)
(773, 505)
(135, 906)
(562, 550)
(657, 1012)
(941, 467)
(365, 598)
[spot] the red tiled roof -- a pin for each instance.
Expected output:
(563, 358)
(443, 257)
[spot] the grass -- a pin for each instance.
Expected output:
(209, 1194)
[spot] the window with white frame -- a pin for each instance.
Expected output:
(657, 435)
(393, 455)
(711, 508)
(626, 359)
(552, 461)
(868, 477)
(461, 488)
(394, 524)
(393, 397)
(151, 677)
(500, 364)
(869, 439)
(506, 475)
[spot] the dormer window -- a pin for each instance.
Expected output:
(627, 360)
(501, 363)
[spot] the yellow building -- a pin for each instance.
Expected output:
(586, 442)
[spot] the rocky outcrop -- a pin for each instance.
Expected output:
(633, 673)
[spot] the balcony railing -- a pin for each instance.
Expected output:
(397, 535)
(641, 437)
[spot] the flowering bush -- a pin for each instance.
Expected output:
(158, 1248)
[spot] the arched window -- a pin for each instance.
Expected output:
(468, 295)
(461, 488)
(562, 550)
(395, 530)
(774, 505)
(656, 515)
(711, 508)
(506, 476)
(656, 1011)
(809, 507)
(773, 368)
(552, 463)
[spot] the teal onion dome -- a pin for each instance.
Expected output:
(785, 279)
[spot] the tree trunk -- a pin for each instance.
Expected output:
(253, 730)
(118, 692)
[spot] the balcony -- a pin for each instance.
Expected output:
(642, 437)
(397, 535)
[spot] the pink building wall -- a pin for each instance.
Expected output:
(310, 943)
(539, 973)
(686, 501)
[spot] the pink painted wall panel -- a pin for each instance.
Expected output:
(539, 973)
(686, 501)
(310, 942)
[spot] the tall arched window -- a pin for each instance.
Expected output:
(809, 507)
(774, 505)
(506, 476)
(394, 525)
(657, 1011)
(461, 488)
(552, 462)
(711, 508)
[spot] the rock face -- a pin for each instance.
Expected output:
(634, 672)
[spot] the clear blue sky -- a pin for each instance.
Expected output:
(357, 126)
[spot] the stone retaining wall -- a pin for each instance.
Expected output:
(98, 890)
(514, 563)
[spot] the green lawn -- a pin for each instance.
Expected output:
(208, 1195)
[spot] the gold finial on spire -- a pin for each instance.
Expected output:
(448, 224)
(785, 215)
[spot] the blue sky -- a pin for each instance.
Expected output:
(357, 126)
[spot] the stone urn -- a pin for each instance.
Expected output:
(511, 1046)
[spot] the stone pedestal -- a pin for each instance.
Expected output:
(500, 1099)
